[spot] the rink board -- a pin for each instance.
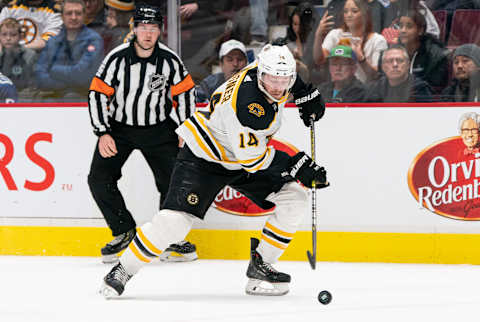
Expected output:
(369, 213)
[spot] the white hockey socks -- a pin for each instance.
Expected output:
(291, 205)
(167, 227)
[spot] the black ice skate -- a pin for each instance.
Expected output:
(183, 251)
(119, 243)
(260, 272)
(114, 282)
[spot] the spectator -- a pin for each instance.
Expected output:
(119, 14)
(356, 26)
(258, 26)
(428, 55)
(465, 86)
(8, 92)
(233, 57)
(343, 86)
(377, 9)
(397, 8)
(67, 64)
(298, 38)
(16, 61)
(38, 20)
(397, 85)
(95, 15)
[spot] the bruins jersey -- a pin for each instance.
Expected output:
(37, 22)
(238, 126)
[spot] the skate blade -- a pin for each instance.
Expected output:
(110, 259)
(173, 257)
(108, 292)
(263, 288)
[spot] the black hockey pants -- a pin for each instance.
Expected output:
(159, 146)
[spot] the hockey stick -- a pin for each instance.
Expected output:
(312, 257)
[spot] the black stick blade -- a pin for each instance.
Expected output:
(311, 259)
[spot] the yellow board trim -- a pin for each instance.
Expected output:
(235, 244)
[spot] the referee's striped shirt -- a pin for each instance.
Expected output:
(140, 91)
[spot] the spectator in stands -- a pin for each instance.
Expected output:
(119, 14)
(343, 86)
(465, 86)
(16, 61)
(258, 25)
(95, 15)
(428, 56)
(67, 64)
(233, 57)
(398, 85)
(356, 26)
(298, 38)
(37, 18)
(377, 9)
(397, 8)
(8, 92)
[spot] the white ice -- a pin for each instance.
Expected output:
(50, 289)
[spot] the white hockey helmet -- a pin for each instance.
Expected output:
(276, 61)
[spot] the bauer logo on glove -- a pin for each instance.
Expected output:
(310, 104)
(308, 172)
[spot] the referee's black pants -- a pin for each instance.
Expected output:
(159, 146)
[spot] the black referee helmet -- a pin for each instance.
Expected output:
(145, 13)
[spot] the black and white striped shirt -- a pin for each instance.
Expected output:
(140, 91)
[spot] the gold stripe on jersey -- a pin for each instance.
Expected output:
(201, 119)
(237, 86)
(198, 139)
(137, 253)
(147, 243)
(269, 150)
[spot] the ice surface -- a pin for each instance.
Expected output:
(50, 289)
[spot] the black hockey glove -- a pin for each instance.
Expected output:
(306, 171)
(310, 104)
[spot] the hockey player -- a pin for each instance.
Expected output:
(229, 147)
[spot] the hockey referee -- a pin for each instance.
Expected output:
(138, 97)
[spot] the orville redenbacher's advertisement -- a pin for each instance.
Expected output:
(445, 177)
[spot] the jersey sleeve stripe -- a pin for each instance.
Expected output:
(100, 86)
(201, 119)
(183, 86)
(193, 130)
(206, 138)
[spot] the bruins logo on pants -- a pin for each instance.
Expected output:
(193, 199)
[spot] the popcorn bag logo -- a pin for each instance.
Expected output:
(233, 202)
(445, 177)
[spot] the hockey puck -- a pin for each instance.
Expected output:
(324, 297)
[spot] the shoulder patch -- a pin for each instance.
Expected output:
(253, 110)
(256, 109)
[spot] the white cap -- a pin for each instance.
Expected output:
(230, 45)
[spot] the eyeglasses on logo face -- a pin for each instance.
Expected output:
(470, 131)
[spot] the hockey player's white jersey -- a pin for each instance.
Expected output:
(38, 22)
(240, 124)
